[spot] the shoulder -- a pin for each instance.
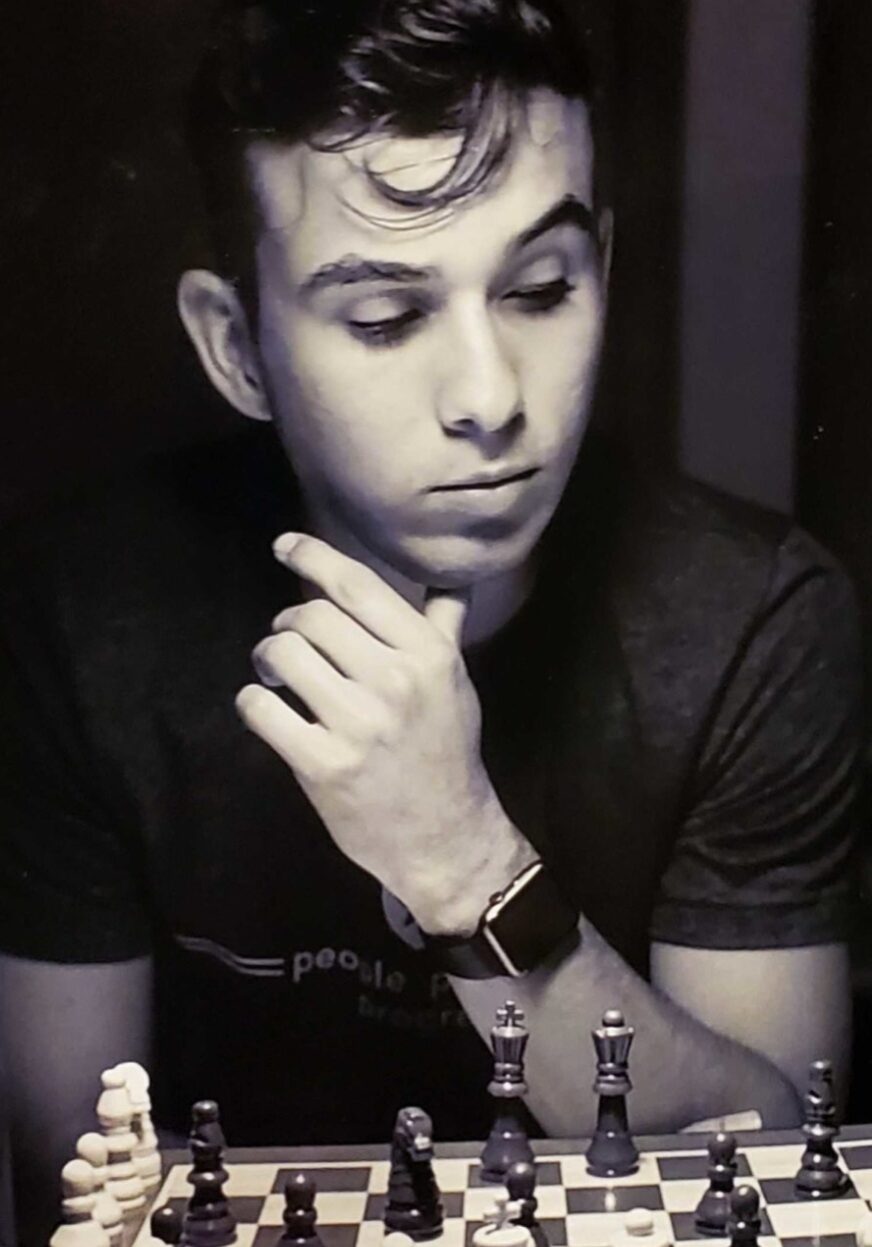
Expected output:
(691, 563)
(703, 592)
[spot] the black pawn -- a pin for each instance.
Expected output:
(507, 1143)
(820, 1176)
(713, 1210)
(208, 1221)
(299, 1216)
(744, 1222)
(612, 1152)
(166, 1225)
(521, 1187)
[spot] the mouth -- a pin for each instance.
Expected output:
(484, 482)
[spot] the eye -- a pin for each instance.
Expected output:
(385, 330)
(543, 296)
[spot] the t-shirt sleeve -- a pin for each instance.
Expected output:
(763, 857)
(70, 879)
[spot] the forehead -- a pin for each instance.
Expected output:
(318, 206)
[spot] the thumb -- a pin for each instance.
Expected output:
(446, 610)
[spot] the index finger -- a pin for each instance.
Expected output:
(355, 589)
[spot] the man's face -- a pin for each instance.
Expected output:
(431, 374)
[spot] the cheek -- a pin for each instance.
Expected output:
(328, 386)
(560, 366)
(341, 414)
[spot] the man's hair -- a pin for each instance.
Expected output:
(330, 72)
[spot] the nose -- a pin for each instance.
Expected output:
(480, 392)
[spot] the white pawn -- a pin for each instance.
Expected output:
(78, 1227)
(114, 1112)
(640, 1231)
(397, 1238)
(498, 1230)
(146, 1156)
(92, 1148)
(864, 1231)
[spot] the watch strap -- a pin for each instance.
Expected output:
(507, 941)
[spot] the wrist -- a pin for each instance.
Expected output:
(453, 903)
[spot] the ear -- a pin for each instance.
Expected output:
(216, 323)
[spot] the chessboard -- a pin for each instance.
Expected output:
(575, 1208)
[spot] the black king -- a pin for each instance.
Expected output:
(612, 1152)
(507, 1142)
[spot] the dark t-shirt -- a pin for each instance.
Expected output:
(670, 719)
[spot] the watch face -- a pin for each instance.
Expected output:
(530, 925)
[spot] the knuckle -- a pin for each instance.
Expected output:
(398, 683)
(345, 588)
(284, 644)
(381, 725)
(318, 612)
(346, 761)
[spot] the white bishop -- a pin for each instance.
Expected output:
(146, 1156)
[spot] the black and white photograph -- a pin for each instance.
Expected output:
(435, 530)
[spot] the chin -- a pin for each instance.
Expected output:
(457, 564)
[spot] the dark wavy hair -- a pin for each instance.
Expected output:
(329, 72)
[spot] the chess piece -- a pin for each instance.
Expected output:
(146, 1156)
(640, 1230)
(744, 1223)
(501, 1228)
(507, 1142)
(521, 1187)
(820, 1176)
(713, 1210)
(612, 1152)
(92, 1148)
(78, 1227)
(166, 1225)
(414, 1204)
(115, 1113)
(208, 1221)
(299, 1216)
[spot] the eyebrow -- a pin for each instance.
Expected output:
(352, 270)
(569, 211)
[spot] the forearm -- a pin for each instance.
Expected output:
(681, 1071)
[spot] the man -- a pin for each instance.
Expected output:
(478, 650)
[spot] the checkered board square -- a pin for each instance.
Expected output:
(575, 1208)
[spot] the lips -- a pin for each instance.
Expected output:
(486, 481)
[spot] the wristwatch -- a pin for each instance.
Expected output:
(521, 926)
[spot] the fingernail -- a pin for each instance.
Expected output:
(284, 545)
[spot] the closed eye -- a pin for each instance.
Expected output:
(388, 330)
(543, 297)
